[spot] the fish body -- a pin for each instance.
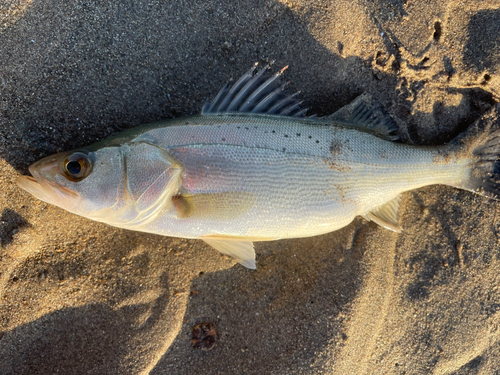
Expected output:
(234, 176)
(271, 178)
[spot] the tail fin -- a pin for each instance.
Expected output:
(481, 142)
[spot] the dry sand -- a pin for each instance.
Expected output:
(79, 297)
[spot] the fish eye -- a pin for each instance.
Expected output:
(77, 166)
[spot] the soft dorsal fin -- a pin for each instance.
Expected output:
(386, 215)
(256, 93)
(364, 112)
(240, 249)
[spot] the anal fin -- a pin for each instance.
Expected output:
(386, 215)
(240, 249)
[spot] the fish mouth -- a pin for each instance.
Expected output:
(46, 191)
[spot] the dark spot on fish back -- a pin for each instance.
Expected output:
(336, 147)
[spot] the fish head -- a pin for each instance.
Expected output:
(126, 185)
(82, 181)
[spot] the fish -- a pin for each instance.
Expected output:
(253, 166)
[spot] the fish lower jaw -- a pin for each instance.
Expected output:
(32, 186)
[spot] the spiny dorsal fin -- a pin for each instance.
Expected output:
(241, 250)
(386, 215)
(365, 113)
(256, 93)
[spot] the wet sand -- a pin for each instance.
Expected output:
(80, 297)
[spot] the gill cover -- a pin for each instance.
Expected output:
(152, 178)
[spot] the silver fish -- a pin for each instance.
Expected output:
(252, 167)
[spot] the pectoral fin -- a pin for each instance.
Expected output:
(216, 206)
(241, 250)
(386, 215)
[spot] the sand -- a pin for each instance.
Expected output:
(79, 297)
